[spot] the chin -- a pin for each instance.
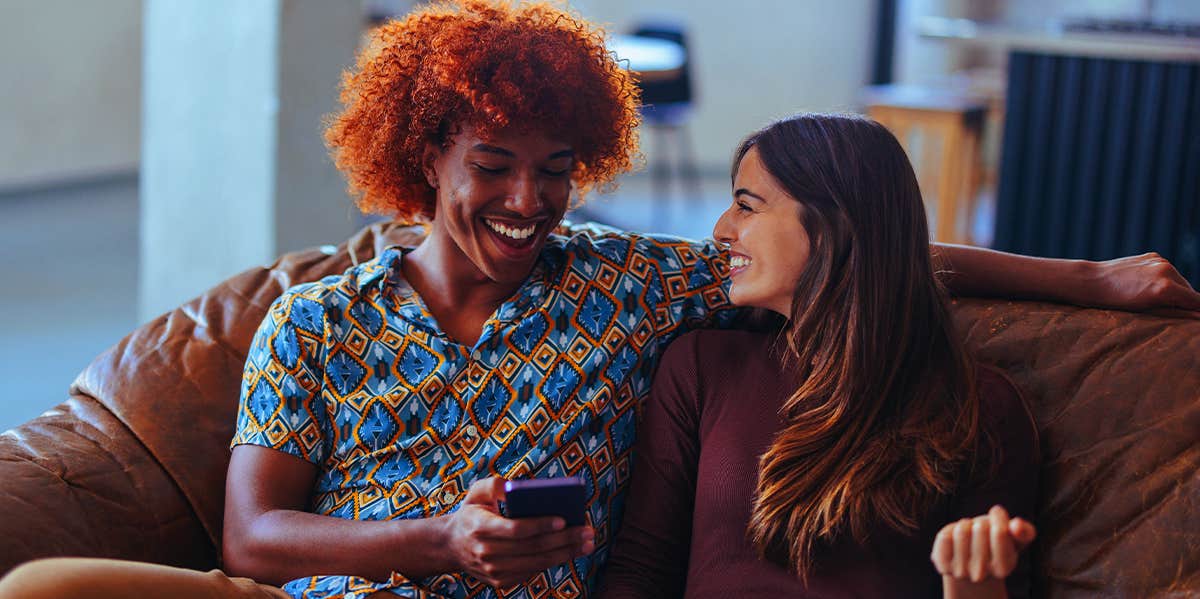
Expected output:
(748, 299)
(741, 299)
(508, 272)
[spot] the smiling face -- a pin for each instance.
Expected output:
(768, 244)
(497, 200)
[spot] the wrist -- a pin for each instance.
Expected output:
(1075, 282)
(962, 588)
(441, 552)
(420, 547)
(1090, 278)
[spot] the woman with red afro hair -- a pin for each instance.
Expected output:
(488, 66)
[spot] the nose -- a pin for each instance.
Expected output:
(724, 231)
(526, 196)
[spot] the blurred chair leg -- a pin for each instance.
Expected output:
(971, 182)
(690, 174)
(660, 175)
(949, 184)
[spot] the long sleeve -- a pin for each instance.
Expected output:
(1012, 481)
(650, 555)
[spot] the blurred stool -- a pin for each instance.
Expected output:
(667, 102)
(948, 170)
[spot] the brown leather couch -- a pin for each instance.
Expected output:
(132, 464)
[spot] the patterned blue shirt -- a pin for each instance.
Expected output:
(353, 374)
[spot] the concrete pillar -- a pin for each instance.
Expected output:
(234, 169)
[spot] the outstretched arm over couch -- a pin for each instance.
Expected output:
(1134, 283)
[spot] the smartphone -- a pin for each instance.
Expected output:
(538, 497)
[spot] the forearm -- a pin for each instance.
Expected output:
(650, 553)
(643, 568)
(282, 545)
(981, 272)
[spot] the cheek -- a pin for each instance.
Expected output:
(462, 201)
(798, 252)
(559, 196)
(787, 256)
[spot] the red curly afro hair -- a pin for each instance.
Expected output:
(490, 65)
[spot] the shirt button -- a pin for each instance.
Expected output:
(471, 431)
(477, 355)
(448, 498)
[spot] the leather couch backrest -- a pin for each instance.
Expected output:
(175, 381)
(1116, 397)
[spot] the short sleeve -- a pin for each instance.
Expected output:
(692, 288)
(280, 406)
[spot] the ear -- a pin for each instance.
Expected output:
(429, 163)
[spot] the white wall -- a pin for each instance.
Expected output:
(235, 170)
(923, 61)
(70, 89)
(1037, 12)
(758, 60)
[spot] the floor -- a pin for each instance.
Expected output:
(70, 285)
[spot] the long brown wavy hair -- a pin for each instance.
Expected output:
(884, 416)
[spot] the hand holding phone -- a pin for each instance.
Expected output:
(538, 497)
(506, 549)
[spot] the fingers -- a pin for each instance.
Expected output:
(1147, 282)
(504, 572)
(581, 537)
(981, 555)
(943, 550)
(486, 491)
(962, 548)
(499, 527)
(1169, 288)
(1181, 295)
(1004, 554)
(503, 563)
(1023, 532)
(981, 548)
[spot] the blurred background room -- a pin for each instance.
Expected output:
(151, 148)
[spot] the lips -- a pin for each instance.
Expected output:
(738, 263)
(516, 239)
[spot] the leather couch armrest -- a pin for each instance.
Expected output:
(77, 483)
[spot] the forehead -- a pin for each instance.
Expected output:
(513, 140)
(752, 175)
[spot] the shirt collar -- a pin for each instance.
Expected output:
(384, 273)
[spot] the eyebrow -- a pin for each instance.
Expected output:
(742, 191)
(490, 149)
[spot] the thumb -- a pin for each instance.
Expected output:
(1022, 531)
(486, 491)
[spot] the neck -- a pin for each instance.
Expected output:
(445, 277)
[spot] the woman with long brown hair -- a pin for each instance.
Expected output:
(822, 455)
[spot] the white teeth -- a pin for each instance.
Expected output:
(738, 261)
(512, 232)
